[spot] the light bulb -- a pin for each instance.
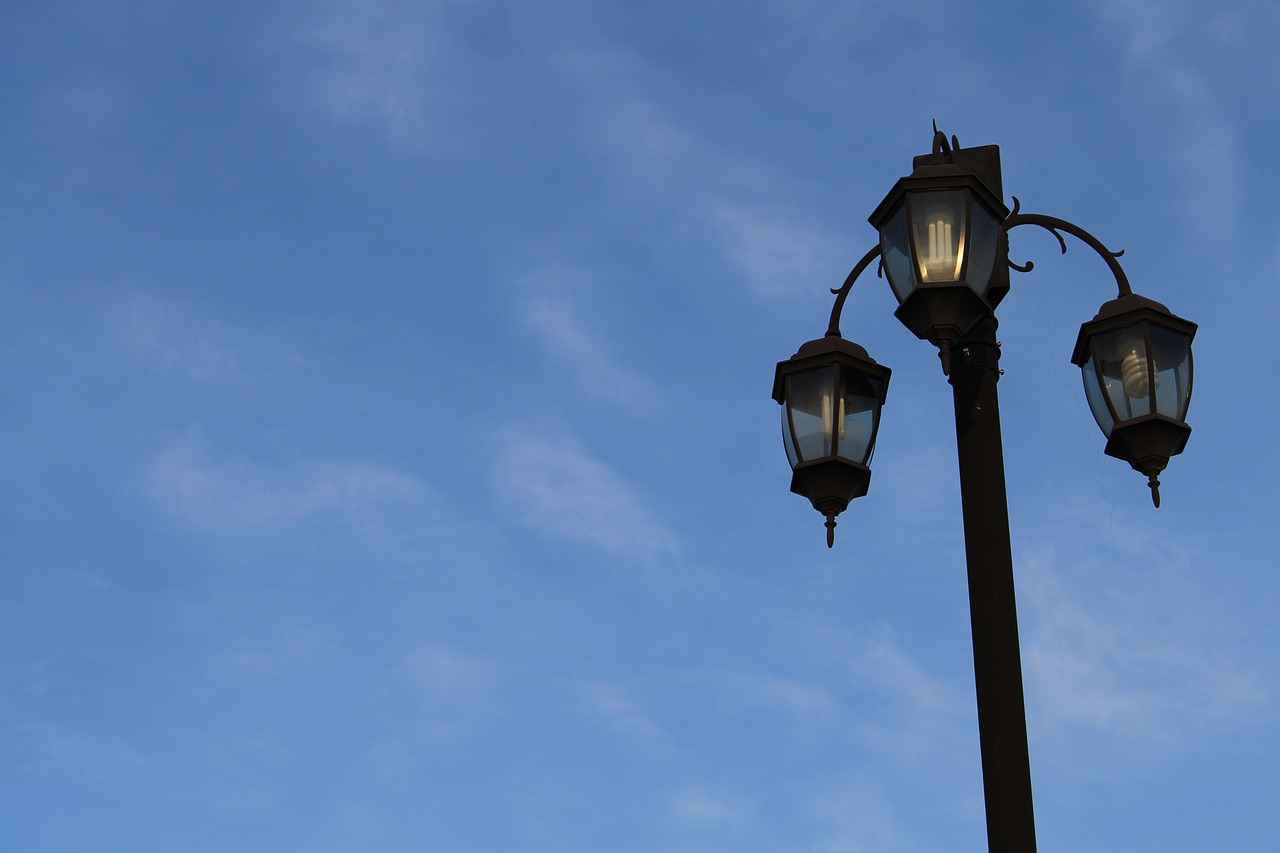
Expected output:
(826, 422)
(942, 250)
(1133, 370)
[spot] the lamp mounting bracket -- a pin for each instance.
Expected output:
(1054, 226)
(842, 292)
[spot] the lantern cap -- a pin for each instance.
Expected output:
(977, 169)
(1128, 310)
(828, 350)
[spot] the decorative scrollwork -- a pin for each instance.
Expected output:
(833, 328)
(1055, 226)
(940, 144)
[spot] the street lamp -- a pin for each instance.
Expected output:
(944, 247)
(833, 392)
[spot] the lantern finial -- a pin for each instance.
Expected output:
(1153, 480)
(831, 529)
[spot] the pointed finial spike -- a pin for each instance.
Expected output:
(1154, 483)
(831, 530)
(944, 355)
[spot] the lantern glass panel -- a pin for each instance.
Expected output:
(984, 239)
(858, 411)
(1125, 372)
(1172, 367)
(1097, 399)
(788, 439)
(811, 409)
(895, 250)
(939, 226)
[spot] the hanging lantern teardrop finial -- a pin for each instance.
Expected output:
(831, 529)
(1153, 480)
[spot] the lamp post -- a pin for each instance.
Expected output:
(944, 247)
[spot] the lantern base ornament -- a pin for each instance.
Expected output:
(942, 315)
(829, 485)
(1147, 444)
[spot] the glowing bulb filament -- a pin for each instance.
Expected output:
(826, 421)
(941, 255)
(1133, 370)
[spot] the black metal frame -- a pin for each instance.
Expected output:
(831, 481)
(971, 363)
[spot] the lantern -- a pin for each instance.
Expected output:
(831, 393)
(942, 244)
(1136, 360)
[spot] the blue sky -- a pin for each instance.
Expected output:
(388, 461)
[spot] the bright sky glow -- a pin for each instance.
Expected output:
(388, 462)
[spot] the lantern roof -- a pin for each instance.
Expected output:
(1128, 310)
(828, 350)
(976, 169)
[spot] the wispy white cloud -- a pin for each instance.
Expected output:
(860, 815)
(556, 489)
(1171, 55)
(837, 24)
(619, 120)
(557, 320)
(904, 711)
(227, 492)
(617, 710)
(1125, 650)
(175, 342)
(447, 679)
(394, 65)
(778, 251)
(86, 756)
(700, 807)
(808, 703)
(437, 697)
(293, 652)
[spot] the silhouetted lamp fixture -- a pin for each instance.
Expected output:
(831, 392)
(1136, 360)
(941, 243)
(944, 246)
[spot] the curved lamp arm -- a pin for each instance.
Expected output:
(1053, 225)
(842, 293)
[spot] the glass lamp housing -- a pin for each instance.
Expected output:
(1135, 357)
(942, 244)
(831, 393)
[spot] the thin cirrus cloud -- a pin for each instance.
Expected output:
(1122, 649)
(907, 710)
(176, 343)
(700, 807)
(235, 493)
(295, 653)
(436, 696)
(1173, 64)
(777, 251)
(555, 489)
(557, 322)
(617, 710)
(391, 65)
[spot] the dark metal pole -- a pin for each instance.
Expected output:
(997, 662)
